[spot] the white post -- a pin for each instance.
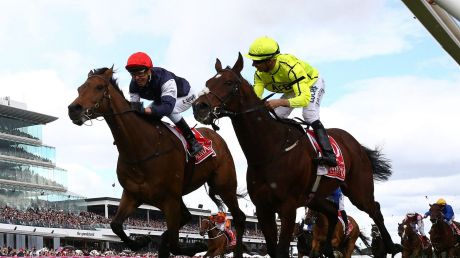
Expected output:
(451, 6)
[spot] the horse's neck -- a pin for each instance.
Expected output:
(129, 129)
(213, 232)
(257, 130)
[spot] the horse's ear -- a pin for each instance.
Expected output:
(91, 72)
(238, 66)
(218, 65)
(109, 72)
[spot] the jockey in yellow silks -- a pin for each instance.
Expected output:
(300, 83)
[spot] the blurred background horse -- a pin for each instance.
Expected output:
(412, 242)
(343, 241)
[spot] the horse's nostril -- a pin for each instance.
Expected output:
(74, 109)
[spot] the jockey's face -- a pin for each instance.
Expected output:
(264, 65)
(142, 77)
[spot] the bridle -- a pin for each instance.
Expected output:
(219, 234)
(105, 96)
(220, 110)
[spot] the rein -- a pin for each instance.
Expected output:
(92, 111)
(220, 111)
(219, 234)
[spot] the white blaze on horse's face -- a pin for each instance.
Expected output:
(204, 91)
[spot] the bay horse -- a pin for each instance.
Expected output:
(442, 236)
(152, 165)
(281, 168)
(345, 244)
(304, 238)
(411, 242)
(377, 244)
(218, 242)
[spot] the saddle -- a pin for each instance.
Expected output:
(231, 238)
(425, 241)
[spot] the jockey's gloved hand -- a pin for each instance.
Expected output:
(138, 107)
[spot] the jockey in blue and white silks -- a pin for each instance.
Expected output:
(337, 198)
(171, 94)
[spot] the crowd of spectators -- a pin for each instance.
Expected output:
(17, 150)
(15, 131)
(86, 220)
(70, 252)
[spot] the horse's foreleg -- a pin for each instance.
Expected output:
(267, 223)
(330, 211)
(128, 206)
(189, 249)
(287, 216)
(239, 220)
(176, 215)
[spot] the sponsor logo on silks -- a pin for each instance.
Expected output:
(189, 99)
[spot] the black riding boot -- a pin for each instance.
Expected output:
(345, 220)
(195, 147)
(328, 157)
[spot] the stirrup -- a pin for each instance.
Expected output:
(324, 161)
(195, 149)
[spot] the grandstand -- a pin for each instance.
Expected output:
(38, 211)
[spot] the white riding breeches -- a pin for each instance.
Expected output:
(310, 113)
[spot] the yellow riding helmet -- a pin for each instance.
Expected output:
(441, 201)
(263, 48)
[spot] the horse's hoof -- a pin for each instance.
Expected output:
(337, 254)
(139, 243)
(397, 248)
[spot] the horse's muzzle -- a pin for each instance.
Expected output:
(202, 112)
(75, 114)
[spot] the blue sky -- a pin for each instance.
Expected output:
(388, 82)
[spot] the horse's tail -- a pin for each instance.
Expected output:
(219, 202)
(215, 198)
(381, 166)
(365, 239)
(242, 194)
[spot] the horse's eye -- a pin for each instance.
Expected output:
(100, 87)
(229, 83)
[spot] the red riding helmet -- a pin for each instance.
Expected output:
(138, 60)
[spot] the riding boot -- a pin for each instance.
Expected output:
(328, 157)
(345, 220)
(195, 146)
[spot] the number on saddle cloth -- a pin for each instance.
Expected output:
(208, 150)
(349, 228)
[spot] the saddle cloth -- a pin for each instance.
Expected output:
(230, 234)
(337, 172)
(208, 150)
(349, 228)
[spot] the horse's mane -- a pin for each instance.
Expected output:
(288, 121)
(113, 81)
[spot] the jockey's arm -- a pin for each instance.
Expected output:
(168, 100)
(259, 86)
(301, 89)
